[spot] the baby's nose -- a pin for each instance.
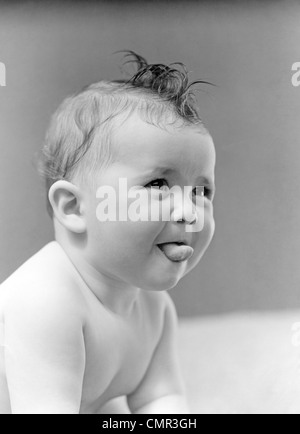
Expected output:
(189, 212)
(180, 216)
(184, 209)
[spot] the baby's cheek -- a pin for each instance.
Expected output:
(142, 235)
(203, 240)
(211, 228)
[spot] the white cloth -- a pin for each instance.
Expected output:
(2, 335)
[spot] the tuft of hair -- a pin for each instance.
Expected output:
(171, 84)
(81, 130)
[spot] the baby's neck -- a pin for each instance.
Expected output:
(116, 296)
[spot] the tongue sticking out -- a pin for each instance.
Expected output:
(177, 253)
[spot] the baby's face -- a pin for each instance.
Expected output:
(128, 250)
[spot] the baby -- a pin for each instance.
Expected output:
(88, 319)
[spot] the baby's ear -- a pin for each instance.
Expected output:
(67, 204)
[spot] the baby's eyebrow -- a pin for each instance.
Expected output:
(160, 171)
(163, 171)
(154, 172)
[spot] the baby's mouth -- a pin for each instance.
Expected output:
(176, 252)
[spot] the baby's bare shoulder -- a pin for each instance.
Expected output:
(43, 282)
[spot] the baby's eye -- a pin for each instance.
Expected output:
(157, 184)
(199, 191)
(203, 191)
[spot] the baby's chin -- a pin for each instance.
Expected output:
(165, 283)
(166, 279)
(160, 288)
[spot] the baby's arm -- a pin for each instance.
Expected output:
(161, 390)
(44, 352)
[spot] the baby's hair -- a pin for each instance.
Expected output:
(81, 130)
(170, 84)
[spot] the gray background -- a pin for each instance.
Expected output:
(246, 49)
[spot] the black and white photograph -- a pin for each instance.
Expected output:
(149, 209)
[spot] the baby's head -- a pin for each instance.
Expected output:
(147, 133)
